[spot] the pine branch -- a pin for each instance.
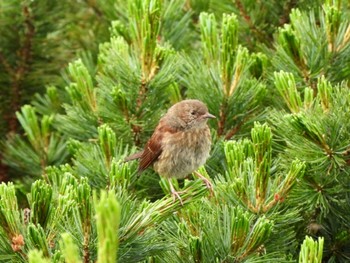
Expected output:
(249, 171)
(293, 51)
(40, 147)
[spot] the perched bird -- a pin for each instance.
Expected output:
(180, 144)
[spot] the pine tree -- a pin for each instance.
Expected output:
(281, 144)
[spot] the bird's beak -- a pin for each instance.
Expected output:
(209, 116)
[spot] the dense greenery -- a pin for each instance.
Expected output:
(275, 73)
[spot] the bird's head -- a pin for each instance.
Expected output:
(189, 114)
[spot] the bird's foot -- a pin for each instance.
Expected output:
(174, 193)
(207, 182)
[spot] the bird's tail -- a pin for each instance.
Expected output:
(133, 156)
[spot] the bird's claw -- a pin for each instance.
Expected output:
(207, 182)
(176, 195)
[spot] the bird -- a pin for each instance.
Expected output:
(180, 143)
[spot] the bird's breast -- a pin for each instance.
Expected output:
(183, 152)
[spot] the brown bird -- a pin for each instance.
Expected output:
(180, 144)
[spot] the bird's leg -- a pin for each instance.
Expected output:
(174, 193)
(206, 181)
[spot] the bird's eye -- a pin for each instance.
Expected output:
(193, 112)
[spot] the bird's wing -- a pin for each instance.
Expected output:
(153, 147)
(150, 154)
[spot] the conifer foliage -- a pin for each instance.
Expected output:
(280, 161)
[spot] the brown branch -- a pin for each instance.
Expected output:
(26, 50)
(6, 65)
(142, 91)
(222, 120)
(286, 18)
(260, 35)
(137, 134)
(3, 172)
(86, 251)
(321, 142)
(234, 130)
(92, 4)
(346, 155)
(18, 74)
(244, 13)
(137, 129)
